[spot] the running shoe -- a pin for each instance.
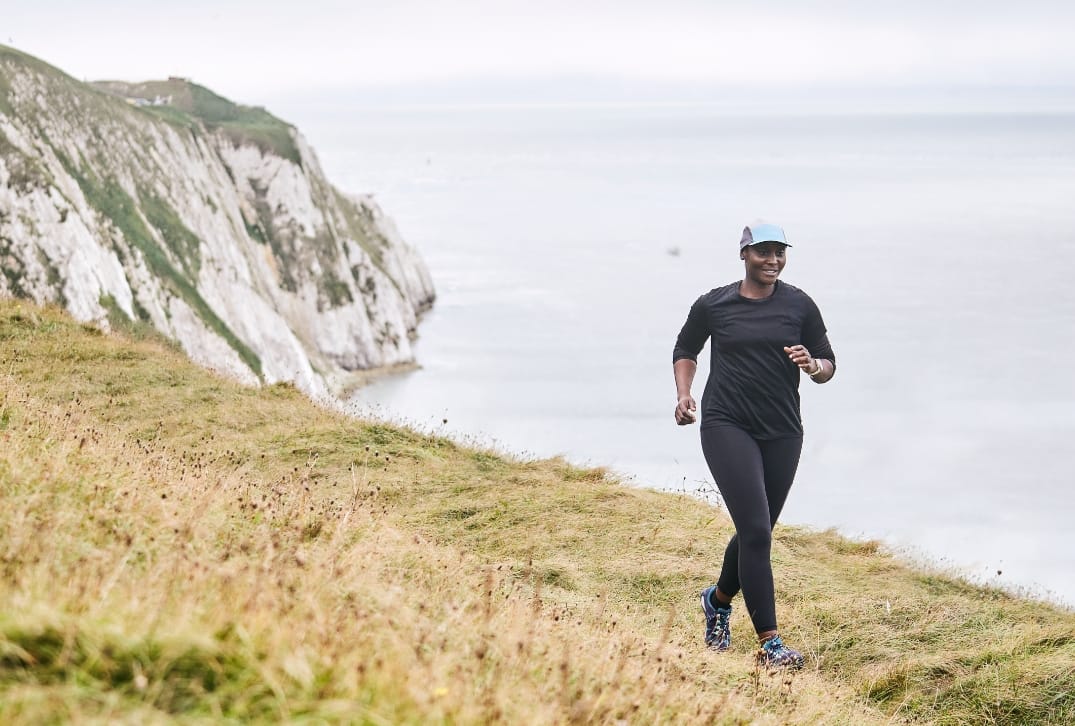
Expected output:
(774, 653)
(718, 630)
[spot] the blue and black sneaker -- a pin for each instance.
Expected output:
(718, 629)
(773, 653)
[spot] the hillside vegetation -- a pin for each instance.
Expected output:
(179, 100)
(178, 547)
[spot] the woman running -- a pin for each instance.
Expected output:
(764, 332)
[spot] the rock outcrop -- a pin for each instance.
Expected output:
(164, 204)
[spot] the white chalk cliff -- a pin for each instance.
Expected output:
(213, 222)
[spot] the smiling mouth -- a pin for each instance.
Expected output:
(771, 272)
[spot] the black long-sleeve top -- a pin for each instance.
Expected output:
(752, 382)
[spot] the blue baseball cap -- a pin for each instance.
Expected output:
(755, 234)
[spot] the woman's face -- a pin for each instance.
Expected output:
(764, 262)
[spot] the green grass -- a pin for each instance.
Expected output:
(271, 136)
(139, 328)
(178, 546)
(6, 106)
(173, 116)
(254, 232)
(184, 674)
(183, 243)
(335, 290)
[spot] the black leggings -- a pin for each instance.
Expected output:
(753, 478)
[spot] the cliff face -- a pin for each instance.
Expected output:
(166, 204)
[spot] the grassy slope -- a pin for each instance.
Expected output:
(176, 546)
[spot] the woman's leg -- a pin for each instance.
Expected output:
(780, 457)
(734, 458)
(780, 460)
(753, 478)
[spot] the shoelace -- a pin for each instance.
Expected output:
(720, 633)
(776, 653)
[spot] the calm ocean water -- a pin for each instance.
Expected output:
(567, 245)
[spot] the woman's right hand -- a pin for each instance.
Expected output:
(686, 411)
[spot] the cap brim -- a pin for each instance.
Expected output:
(762, 242)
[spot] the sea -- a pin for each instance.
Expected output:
(567, 244)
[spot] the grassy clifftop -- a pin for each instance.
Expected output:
(177, 100)
(180, 100)
(176, 547)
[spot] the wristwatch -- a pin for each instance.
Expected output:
(820, 368)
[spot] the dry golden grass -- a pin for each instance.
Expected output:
(176, 547)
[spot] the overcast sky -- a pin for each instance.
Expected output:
(248, 49)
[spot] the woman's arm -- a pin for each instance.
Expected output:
(686, 408)
(692, 337)
(822, 368)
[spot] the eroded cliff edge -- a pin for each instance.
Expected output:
(164, 203)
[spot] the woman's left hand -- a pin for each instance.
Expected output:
(801, 357)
